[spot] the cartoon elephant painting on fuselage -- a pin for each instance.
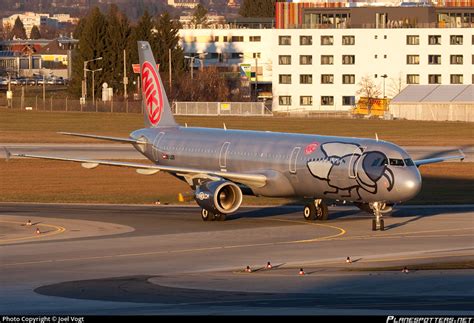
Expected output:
(347, 167)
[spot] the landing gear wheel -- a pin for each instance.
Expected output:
(309, 212)
(382, 228)
(374, 225)
(220, 217)
(206, 215)
(322, 212)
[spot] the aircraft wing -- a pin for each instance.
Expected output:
(124, 140)
(438, 159)
(249, 179)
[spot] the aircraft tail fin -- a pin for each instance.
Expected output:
(155, 103)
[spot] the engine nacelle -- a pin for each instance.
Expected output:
(219, 197)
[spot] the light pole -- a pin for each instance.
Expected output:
(93, 82)
(84, 84)
(384, 77)
(191, 59)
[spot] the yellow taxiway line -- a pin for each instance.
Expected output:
(58, 230)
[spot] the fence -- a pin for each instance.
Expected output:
(69, 105)
(221, 108)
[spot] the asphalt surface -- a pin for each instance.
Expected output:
(104, 259)
(124, 151)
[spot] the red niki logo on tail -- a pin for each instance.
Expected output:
(152, 93)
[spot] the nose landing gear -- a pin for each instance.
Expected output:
(316, 210)
(377, 208)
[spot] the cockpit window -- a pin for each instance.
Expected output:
(376, 162)
(409, 162)
(384, 162)
(396, 162)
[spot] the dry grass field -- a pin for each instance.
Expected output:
(41, 127)
(26, 180)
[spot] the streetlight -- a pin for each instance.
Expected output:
(384, 77)
(93, 82)
(84, 84)
(192, 58)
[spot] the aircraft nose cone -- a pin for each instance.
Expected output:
(411, 184)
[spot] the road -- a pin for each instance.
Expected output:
(104, 259)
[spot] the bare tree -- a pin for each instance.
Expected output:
(396, 85)
(368, 90)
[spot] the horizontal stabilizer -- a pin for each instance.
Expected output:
(117, 139)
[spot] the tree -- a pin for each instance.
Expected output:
(200, 16)
(118, 33)
(208, 85)
(166, 38)
(257, 8)
(396, 85)
(35, 33)
(142, 32)
(18, 30)
(368, 89)
(91, 45)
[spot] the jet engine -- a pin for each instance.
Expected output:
(219, 197)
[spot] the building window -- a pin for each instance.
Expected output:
(236, 55)
(375, 56)
(348, 40)
(413, 59)
(306, 59)
(236, 39)
(348, 79)
(285, 78)
(284, 100)
(306, 40)
(284, 59)
(327, 40)
(348, 100)
(327, 79)
(327, 59)
(284, 40)
(255, 38)
(434, 59)
(434, 79)
(413, 79)
(413, 40)
(257, 55)
(456, 79)
(434, 39)
(327, 100)
(348, 59)
(306, 100)
(455, 39)
(306, 79)
(456, 59)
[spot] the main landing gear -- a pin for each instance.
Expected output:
(377, 208)
(209, 216)
(316, 210)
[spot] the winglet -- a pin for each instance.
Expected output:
(7, 154)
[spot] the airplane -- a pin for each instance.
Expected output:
(221, 165)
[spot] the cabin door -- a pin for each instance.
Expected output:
(293, 159)
(223, 156)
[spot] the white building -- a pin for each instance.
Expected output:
(319, 69)
(234, 47)
(183, 3)
(30, 19)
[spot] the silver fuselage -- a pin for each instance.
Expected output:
(296, 165)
